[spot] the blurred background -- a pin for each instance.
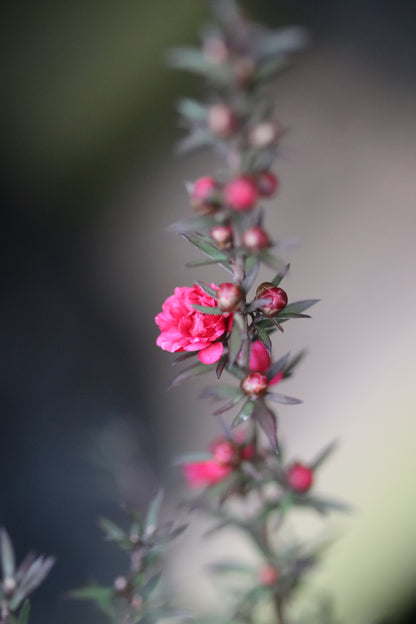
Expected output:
(88, 186)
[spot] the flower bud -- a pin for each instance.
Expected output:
(268, 575)
(255, 239)
(203, 195)
(300, 477)
(267, 184)
(136, 602)
(276, 296)
(120, 584)
(241, 193)
(221, 120)
(255, 384)
(264, 134)
(225, 453)
(223, 236)
(230, 297)
(9, 585)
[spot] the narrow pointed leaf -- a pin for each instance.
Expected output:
(8, 562)
(272, 261)
(203, 244)
(208, 289)
(220, 367)
(282, 398)
(191, 371)
(252, 269)
(184, 356)
(266, 420)
(323, 455)
(153, 513)
(24, 614)
(150, 585)
(229, 405)
(207, 310)
(236, 338)
(277, 367)
(191, 109)
(244, 414)
(218, 393)
(264, 337)
(298, 307)
(278, 278)
(102, 597)
(112, 532)
(291, 365)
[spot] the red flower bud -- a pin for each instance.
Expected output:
(230, 297)
(241, 193)
(267, 183)
(226, 453)
(276, 296)
(255, 239)
(221, 120)
(203, 195)
(300, 477)
(255, 384)
(265, 134)
(268, 575)
(223, 236)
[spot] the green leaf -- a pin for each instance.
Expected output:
(8, 561)
(101, 596)
(207, 310)
(277, 367)
(193, 110)
(266, 420)
(323, 455)
(297, 307)
(204, 244)
(150, 585)
(278, 278)
(153, 513)
(24, 613)
(193, 60)
(218, 393)
(282, 398)
(231, 567)
(208, 289)
(236, 338)
(252, 269)
(244, 414)
(264, 337)
(293, 363)
(112, 532)
(229, 405)
(192, 371)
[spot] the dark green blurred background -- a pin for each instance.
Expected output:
(86, 115)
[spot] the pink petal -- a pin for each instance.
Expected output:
(211, 354)
(259, 357)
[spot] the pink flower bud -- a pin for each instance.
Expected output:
(264, 135)
(230, 297)
(267, 183)
(203, 195)
(223, 236)
(221, 120)
(300, 477)
(260, 361)
(276, 296)
(268, 575)
(241, 193)
(255, 239)
(255, 384)
(226, 453)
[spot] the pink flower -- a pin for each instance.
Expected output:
(226, 457)
(260, 361)
(185, 329)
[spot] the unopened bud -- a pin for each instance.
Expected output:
(264, 135)
(204, 195)
(244, 69)
(136, 602)
(9, 585)
(300, 477)
(223, 236)
(120, 584)
(241, 193)
(221, 120)
(268, 575)
(230, 297)
(267, 183)
(225, 453)
(255, 384)
(255, 239)
(277, 298)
